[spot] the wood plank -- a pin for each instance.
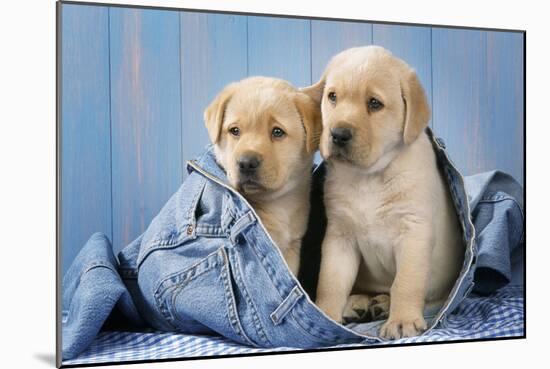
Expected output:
(413, 45)
(328, 38)
(477, 98)
(213, 54)
(85, 128)
(146, 116)
(279, 47)
(505, 108)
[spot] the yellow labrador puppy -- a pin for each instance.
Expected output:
(391, 225)
(265, 133)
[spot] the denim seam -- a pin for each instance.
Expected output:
(228, 218)
(160, 291)
(469, 231)
(278, 315)
(268, 269)
(318, 333)
(175, 239)
(209, 230)
(230, 301)
(97, 264)
(501, 198)
(180, 285)
(240, 225)
(257, 322)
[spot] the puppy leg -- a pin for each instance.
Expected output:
(409, 288)
(339, 265)
(292, 257)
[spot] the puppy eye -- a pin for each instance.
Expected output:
(235, 131)
(332, 97)
(375, 104)
(277, 132)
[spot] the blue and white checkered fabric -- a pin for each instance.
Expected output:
(499, 315)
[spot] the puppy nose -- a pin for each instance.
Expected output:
(248, 163)
(341, 136)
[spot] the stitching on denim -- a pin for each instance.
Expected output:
(177, 275)
(502, 198)
(230, 301)
(249, 300)
(241, 224)
(178, 286)
(468, 229)
(315, 331)
(322, 335)
(207, 230)
(96, 264)
(176, 238)
(279, 314)
(228, 217)
(267, 267)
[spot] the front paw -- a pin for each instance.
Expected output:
(357, 309)
(397, 327)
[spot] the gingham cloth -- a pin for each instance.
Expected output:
(499, 315)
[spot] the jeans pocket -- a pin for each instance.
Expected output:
(201, 299)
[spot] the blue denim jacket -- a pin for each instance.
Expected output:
(207, 265)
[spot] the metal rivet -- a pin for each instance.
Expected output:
(190, 230)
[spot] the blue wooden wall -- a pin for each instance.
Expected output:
(135, 83)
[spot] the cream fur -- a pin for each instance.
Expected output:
(255, 106)
(391, 224)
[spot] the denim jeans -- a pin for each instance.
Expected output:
(207, 265)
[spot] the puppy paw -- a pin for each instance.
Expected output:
(396, 328)
(379, 307)
(357, 309)
(363, 309)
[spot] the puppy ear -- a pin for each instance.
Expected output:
(310, 113)
(417, 110)
(315, 91)
(214, 113)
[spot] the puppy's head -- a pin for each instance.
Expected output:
(265, 133)
(372, 105)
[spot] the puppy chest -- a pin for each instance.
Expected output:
(372, 215)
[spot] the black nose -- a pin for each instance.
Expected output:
(248, 163)
(341, 136)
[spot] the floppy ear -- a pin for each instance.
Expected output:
(315, 91)
(310, 113)
(214, 113)
(417, 110)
